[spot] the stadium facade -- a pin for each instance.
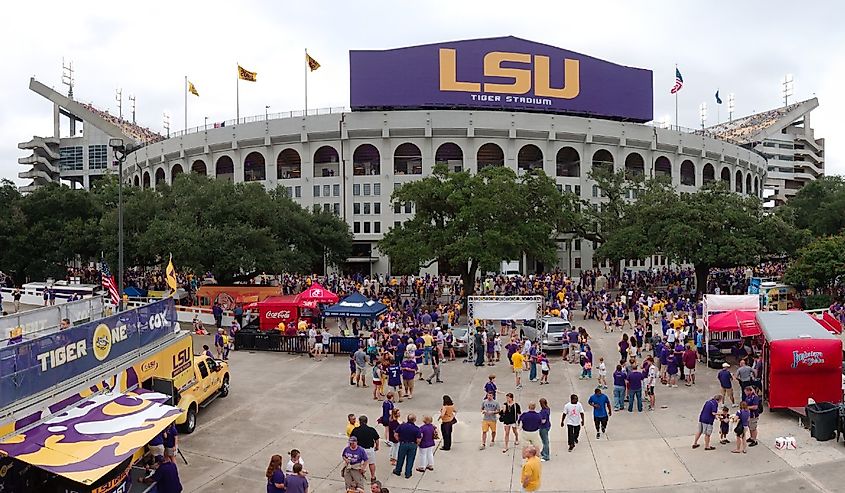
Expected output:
(466, 104)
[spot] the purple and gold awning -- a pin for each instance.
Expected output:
(88, 440)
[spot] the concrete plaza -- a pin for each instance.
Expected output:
(279, 402)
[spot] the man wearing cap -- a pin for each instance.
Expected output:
(755, 405)
(725, 378)
(355, 463)
(166, 476)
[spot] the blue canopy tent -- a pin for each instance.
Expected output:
(134, 292)
(356, 305)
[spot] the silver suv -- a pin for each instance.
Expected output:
(551, 335)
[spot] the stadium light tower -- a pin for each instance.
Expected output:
(702, 112)
(118, 96)
(788, 88)
(120, 153)
(166, 123)
(731, 106)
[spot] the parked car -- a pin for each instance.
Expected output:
(551, 334)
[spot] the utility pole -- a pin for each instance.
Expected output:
(118, 96)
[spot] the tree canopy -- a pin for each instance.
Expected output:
(232, 230)
(818, 207)
(819, 265)
(475, 221)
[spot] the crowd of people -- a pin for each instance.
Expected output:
(142, 134)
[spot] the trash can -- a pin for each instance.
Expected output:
(823, 417)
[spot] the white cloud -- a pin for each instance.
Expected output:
(147, 48)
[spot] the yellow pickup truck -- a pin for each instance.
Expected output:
(192, 381)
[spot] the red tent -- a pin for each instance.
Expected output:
(316, 294)
(744, 322)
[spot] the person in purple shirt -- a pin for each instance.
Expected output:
(355, 463)
(725, 378)
(530, 422)
(618, 389)
(545, 427)
(409, 436)
(743, 416)
(490, 386)
(166, 476)
(409, 372)
(394, 378)
(428, 434)
(296, 482)
(635, 388)
(705, 422)
(755, 405)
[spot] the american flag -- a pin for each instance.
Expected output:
(109, 284)
(679, 81)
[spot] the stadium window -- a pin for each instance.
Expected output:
(70, 158)
(356, 189)
(578, 190)
(408, 207)
(366, 227)
(376, 188)
(366, 188)
(397, 208)
(396, 224)
(376, 207)
(366, 207)
(315, 208)
(337, 209)
(356, 208)
(316, 190)
(577, 245)
(336, 190)
(97, 157)
(769, 144)
(396, 186)
(289, 190)
(327, 208)
(560, 187)
(595, 190)
(377, 227)
(568, 188)
(356, 227)
(297, 191)
(577, 262)
(327, 190)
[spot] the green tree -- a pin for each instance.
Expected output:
(819, 265)
(819, 206)
(474, 221)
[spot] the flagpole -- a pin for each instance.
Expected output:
(186, 104)
(306, 82)
(237, 94)
(677, 125)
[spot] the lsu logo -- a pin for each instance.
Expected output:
(102, 342)
(521, 77)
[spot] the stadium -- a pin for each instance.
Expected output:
(467, 104)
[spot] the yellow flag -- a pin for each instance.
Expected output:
(245, 74)
(170, 275)
(312, 64)
(192, 89)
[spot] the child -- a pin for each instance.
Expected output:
(377, 383)
(724, 425)
(295, 458)
(602, 373)
(741, 419)
(544, 369)
(583, 361)
(588, 369)
(352, 370)
(490, 386)
(497, 347)
(392, 426)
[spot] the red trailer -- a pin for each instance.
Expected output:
(801, 360)
(274, 310)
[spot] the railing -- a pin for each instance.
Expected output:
(41, 321)
(259, 118)
(275, 341)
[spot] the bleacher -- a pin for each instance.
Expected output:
(742, 130)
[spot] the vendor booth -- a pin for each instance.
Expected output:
(801, 360)
(356, 305)
(316, 295)
(275, 310)
(728, 320)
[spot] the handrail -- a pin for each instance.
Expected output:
(259, 118)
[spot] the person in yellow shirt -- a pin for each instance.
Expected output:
(518, 360)
(531, 468)
(302, 326)
(351, 424)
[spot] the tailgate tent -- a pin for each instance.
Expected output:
(315, 295)
(88, 440)
(744, 322)
(802, 360)
(356, 305)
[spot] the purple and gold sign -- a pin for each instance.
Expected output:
(505, 73)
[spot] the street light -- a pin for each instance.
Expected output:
(120, 153)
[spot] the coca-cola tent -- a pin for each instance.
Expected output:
(315, 295)
(274, 310)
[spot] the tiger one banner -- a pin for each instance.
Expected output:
(33, 366)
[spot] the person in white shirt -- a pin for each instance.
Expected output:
(573, 419)
(671, 335)
(564, 313)
(650, 383)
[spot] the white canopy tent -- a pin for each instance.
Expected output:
(502, 308)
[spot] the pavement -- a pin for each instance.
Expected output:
(279, 402)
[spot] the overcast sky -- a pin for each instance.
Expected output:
(146, 48)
